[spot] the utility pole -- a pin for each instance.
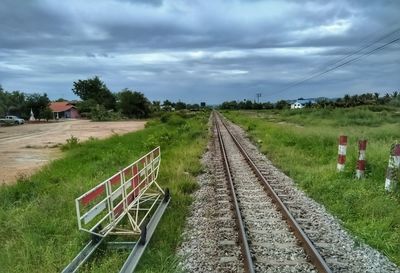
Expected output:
(258, 95)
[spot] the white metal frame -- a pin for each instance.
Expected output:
(131, 192)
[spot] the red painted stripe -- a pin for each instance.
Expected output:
(131, 197)
(343, 140)
(362, 145)
(341, 159)
(135, 185)
(128, 172)
(361, 165)
(115, 179)
(135, 176)
(396, 150)
(118, 209)
(92, 195)
(142, 182)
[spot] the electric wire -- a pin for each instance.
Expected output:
(365, 46)
(347, 62)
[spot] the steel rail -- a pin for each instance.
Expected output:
(305, 242)
(83, 256)
(244, 245)
(133, 259)
(136, 248)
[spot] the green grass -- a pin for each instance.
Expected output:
(303, 143)
(38, 226)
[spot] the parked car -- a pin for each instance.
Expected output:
(8, 120)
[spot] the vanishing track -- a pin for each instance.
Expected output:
(253, 216)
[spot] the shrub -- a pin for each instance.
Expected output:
(72, 143)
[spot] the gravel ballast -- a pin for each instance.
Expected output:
(200, 250)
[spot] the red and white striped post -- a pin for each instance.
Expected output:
(342, 153)
(393, 170)
(362, 146)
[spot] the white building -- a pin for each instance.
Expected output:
(300, 103)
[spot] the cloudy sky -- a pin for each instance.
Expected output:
(198, 50)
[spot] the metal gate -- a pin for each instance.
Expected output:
(122, 205)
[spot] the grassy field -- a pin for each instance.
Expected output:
(37, 215)
(303, 143)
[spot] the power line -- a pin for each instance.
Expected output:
(366, 46)
(342, 64)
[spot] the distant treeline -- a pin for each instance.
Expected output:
(20, 104)
(346, 101)
(97, 103)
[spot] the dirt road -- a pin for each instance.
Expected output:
(26, 148)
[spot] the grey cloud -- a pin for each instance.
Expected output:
(197, 50)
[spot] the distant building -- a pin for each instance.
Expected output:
(64, 109)
(301, 103)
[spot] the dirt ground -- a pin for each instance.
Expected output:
(26, 148)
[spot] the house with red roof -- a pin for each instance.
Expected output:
(64, 109)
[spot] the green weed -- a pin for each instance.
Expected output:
(37, 214)
(304, 145)
(72, 143)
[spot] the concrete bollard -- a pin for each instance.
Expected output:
(393, 170)
(360, 171)
(342, 153)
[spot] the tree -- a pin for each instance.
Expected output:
(133, 104)
(3, 106)
(167, 105)
(385, 99)
(282, 104)
(38, 103)
(180, 105)
(347, 100)
(376, 96)
(257, 106)
(267, 105)
(193, 107)
(156, 106)
(86, 106)
(229, 105)
(15, 104)
(96, 90)
(46, 114)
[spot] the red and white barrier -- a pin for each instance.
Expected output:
(342, 153)
(393, 170)
(360, 171)
(100, 209)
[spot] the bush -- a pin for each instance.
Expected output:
(72, 143)
(164, 118)
(101, 114)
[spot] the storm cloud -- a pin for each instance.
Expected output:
(198, 50)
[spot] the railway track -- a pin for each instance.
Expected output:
(259, 224)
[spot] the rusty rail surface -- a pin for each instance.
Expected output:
(313, 254)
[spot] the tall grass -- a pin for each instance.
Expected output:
(359, 116)
(304, 145)
(37, 216)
